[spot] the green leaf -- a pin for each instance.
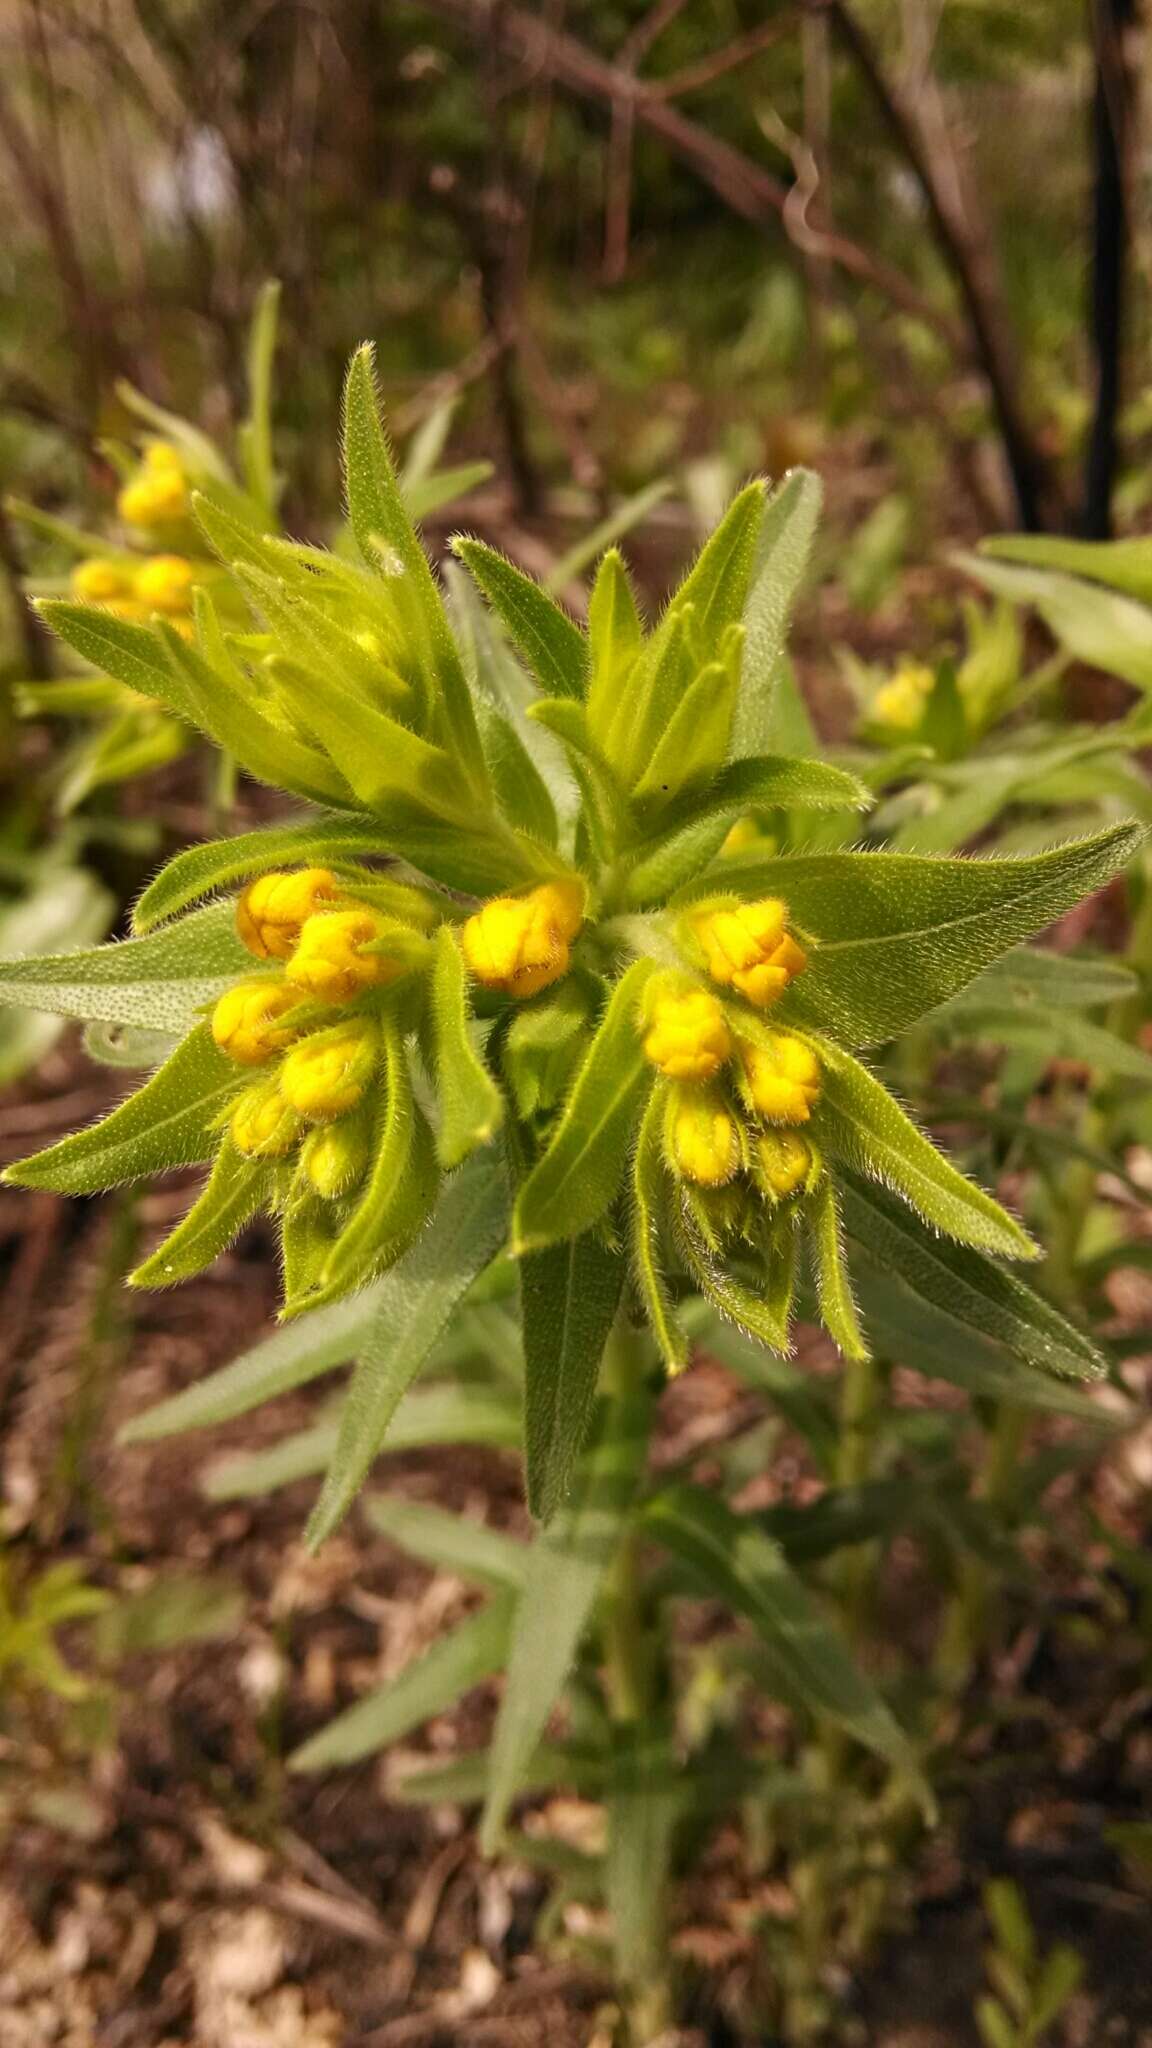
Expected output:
(450, 1543)
(899, 933)
(170, 1121)
(255, 435)
(615, 637)
(1062, 1036)
(566, 1569)
(605, 804)
(833, 1286)
(979, 1299)
(649, 1215)
(133, 654)
(471, 1105)
(785, 542)
(200, 870)
(412, 1311)
(570, 1295)
(160, 983)
(1033, 980)
(1122, 564)
(576, 1179)
(1099, 626)
(60, 905)
(698, 828)
(621, 520)
(301, 1352)
(427, 1416)
(734, 1560)
(763, 1314)
(230, 714)
(234, 1193)
(520, 788)
(861, 1124)
(425, 1687)
(717, 583)
(549, 641)
(645, 1798)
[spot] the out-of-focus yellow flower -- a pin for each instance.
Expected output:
(900, 705)
(247, 1021)
(164, 584)
(333, 1158)
(263, 1125)
(157, 495)
(100, 581)
(783, 1162)
(746, 833)
(702, 1138)
(688, 1036)
(747, 947)
(782, 1079)
(325, 1075)
(330, 961)
(521, 944)
(273, 909)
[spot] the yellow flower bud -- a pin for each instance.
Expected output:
(702, 1138)
(333, 1159)
(520, 944)
(273, 909)
(326, 1074)
(163, 455)
(688, 1036)
(782, 1079)
(164, 584)
(746, 833)
(901, 703)
(746, 947)
(246, 1021)
(155, 496)
(330, 961)
(783, 1161)
(262, 1124)
(99, 581)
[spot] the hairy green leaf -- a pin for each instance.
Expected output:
(234, 1193)
(550, 642)
(570, 1294)
(170, 1121)
(471, 1105)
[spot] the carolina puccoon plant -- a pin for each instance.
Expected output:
(520, 1005)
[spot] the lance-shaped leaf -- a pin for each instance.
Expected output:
(733, 1560)
(412, 1311)
(1030, 980)
(978, 1297)
(566, 1570)
(450, 1543)
(521, 790)
(699, 828)
(833, 1285)
(650, 1207)
(1099, 626)
(171, 1121)
(550, 642)
(899, 933)
(471, 1105)
(763, 1311)
(605, 805)
(388, 541)
(425, 1687)
(200, 870)
(570, 1294)
(231, 715)
(576, 1179)
(293, 1356)
(861, 1124)
(234, 1193)
(1122, 564)
(615, 637)
(785, 543)
(132, 654)
(160, 983)
(427, 1416)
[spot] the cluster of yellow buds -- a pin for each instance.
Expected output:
(334, 949)
(521, 944)
(157, 494)
(747, 947)
(160, 583)
(901, 703)
(689, 1039)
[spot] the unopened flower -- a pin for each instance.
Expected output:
(900, 705)
(247, 1022)
(274, 908)
(701, 1136)
(747, 947)
(782, 1078)
(157, 495)
(783, 1161)
(330, 960)
(100, 581)
(164, 584)
(333, 1158)
(521, 944)
(263, 1125)
(325, 1075)
(688, 1036)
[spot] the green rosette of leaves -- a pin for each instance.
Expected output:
(509, 981)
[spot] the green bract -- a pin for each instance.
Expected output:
(503, 983)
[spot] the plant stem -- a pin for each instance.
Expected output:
(968, 1618)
